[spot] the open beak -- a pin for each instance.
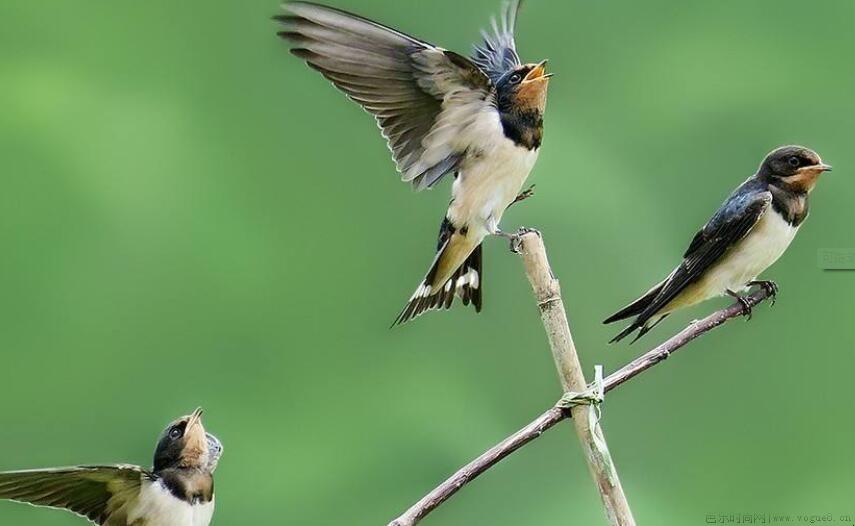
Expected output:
(195, 431)
(817, 168)
(538, 73)
(195, 419)
(196, 450)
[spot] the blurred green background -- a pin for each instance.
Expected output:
(189, 216)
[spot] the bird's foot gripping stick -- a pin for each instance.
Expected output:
(747, 310)
(770, 287)
(515, 239)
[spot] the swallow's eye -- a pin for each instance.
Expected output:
(794, 161)
(175, 433)
(515, 78)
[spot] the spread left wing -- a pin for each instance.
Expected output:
(430, 103)
(93, 492)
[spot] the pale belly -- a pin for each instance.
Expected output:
(487, 185)
(762, 247)
(158, 507)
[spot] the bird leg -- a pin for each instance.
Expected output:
(515, 239)
(746, 306)
(525, 194)
(770, 287)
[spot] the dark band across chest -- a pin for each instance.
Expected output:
(191, 487)
(793, 207)
(525, 128)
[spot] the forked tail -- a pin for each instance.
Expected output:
(637, 308)
(464, 282)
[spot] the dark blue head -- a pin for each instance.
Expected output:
(794, 168)
(185, 444)
(523, 88)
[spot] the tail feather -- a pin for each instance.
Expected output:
(643, 327)
(648, 327)
(639, 308)
(465, 282)
(626, 332)
(470, 292)
(636, 307)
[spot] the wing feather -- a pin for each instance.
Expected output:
(498, 53)
(733, 222)
(92, 492)
(424, 98)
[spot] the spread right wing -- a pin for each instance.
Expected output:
(498, 53)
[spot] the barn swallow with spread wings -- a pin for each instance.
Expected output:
(478, 118)
(747, 234)
(178, 491)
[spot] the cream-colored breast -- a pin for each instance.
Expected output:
(157, 506)
(744, 262)
(488, 183)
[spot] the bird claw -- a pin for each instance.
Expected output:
(527, 230)
(525, 194)
(515, 239)
(770, 287)
(747, 310)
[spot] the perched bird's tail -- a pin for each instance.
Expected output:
(637, 308)
(435, 293)
(643, 324)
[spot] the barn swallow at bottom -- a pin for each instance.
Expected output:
(178, 491)
(478, 118)
(747, 234)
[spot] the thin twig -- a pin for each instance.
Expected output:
(677, 342)
(471, 471)
(554, 415)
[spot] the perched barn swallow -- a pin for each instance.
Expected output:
(179, 491)
(747, 234)
(478, 118)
